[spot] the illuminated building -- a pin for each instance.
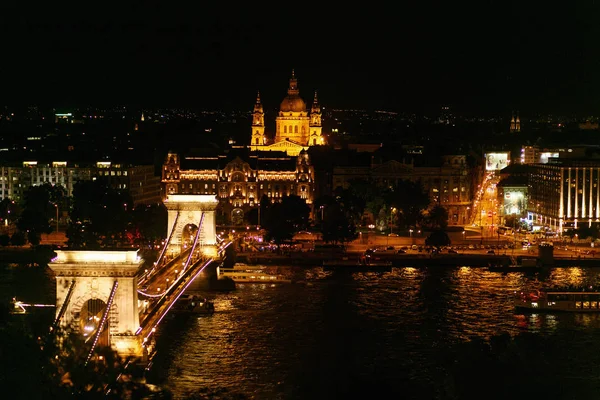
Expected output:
(296, 129)
(139, 181)
(239, 179)
(512, 190)
(515, 123)
(530, 154)
(564, 194)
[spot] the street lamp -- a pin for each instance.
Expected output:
(410, 231)
(56, 206)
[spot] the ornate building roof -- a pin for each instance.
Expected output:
(293, 102)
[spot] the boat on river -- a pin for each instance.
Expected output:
(578, 301)
(191, 304)
(242, 273)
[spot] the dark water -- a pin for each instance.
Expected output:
(355, 335)
(344, 335)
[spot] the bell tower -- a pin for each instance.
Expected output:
(315, 127)
(258, 124)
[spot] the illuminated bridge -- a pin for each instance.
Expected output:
(113, 300)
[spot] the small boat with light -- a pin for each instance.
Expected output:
(254, 274)
(578, 301)
(191, 304)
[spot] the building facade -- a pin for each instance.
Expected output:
(564, 194)
(240, 180)
(139, 181)
(296, 128)
(450, 185)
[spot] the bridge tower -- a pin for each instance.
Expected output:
(96, 293)
(192, 210)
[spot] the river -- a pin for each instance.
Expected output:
(345, 335)
(342, 335)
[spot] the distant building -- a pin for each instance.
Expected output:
(240, 178)
(296, 128)
(564, 194)
(588, 126)
(449, 183)
(512, 190)
(139, 181)
(515, 123)
(530, 155)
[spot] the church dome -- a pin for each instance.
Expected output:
(292, 103)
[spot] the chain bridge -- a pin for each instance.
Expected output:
(113, 300)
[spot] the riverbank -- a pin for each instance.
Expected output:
(406, 260)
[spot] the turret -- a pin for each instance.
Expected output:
(315, 128)
(258, 124)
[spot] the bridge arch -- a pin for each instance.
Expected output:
(87, 281)
(184, 210)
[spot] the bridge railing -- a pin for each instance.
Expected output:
(100, 327)
(170, 297)
(64, 306)
(159, 260)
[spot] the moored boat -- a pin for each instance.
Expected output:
(579, 301)
(243, 275)
(191, 304)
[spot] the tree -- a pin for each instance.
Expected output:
(591, 232)
(148, 224)
(437, 218)
(17, 239)
(4, 240)
(37, 211)
(409, 199)
(9, 210)
(437, 239)
(100, 216)
(283, 220)
(337, 225)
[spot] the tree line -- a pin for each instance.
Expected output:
(102, 217)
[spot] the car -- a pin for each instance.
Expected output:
(393, 234)
(401, 251)
(452, 251)
(414, 247)
(491, 252)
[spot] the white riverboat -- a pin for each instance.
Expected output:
(578, 301)
(242, 273)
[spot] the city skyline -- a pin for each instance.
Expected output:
(492, 58)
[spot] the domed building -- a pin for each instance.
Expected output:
(295, 128)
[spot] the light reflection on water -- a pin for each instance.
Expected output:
(309, 340)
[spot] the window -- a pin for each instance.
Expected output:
(296, 129)
(314, 142)
(285, 129)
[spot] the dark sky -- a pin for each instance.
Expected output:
(492, 57)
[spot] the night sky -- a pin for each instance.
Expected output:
(488, 58)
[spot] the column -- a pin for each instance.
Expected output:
(569, 196)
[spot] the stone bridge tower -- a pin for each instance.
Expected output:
(89, 282)
(184, 211)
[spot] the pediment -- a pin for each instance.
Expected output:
(287, 144)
